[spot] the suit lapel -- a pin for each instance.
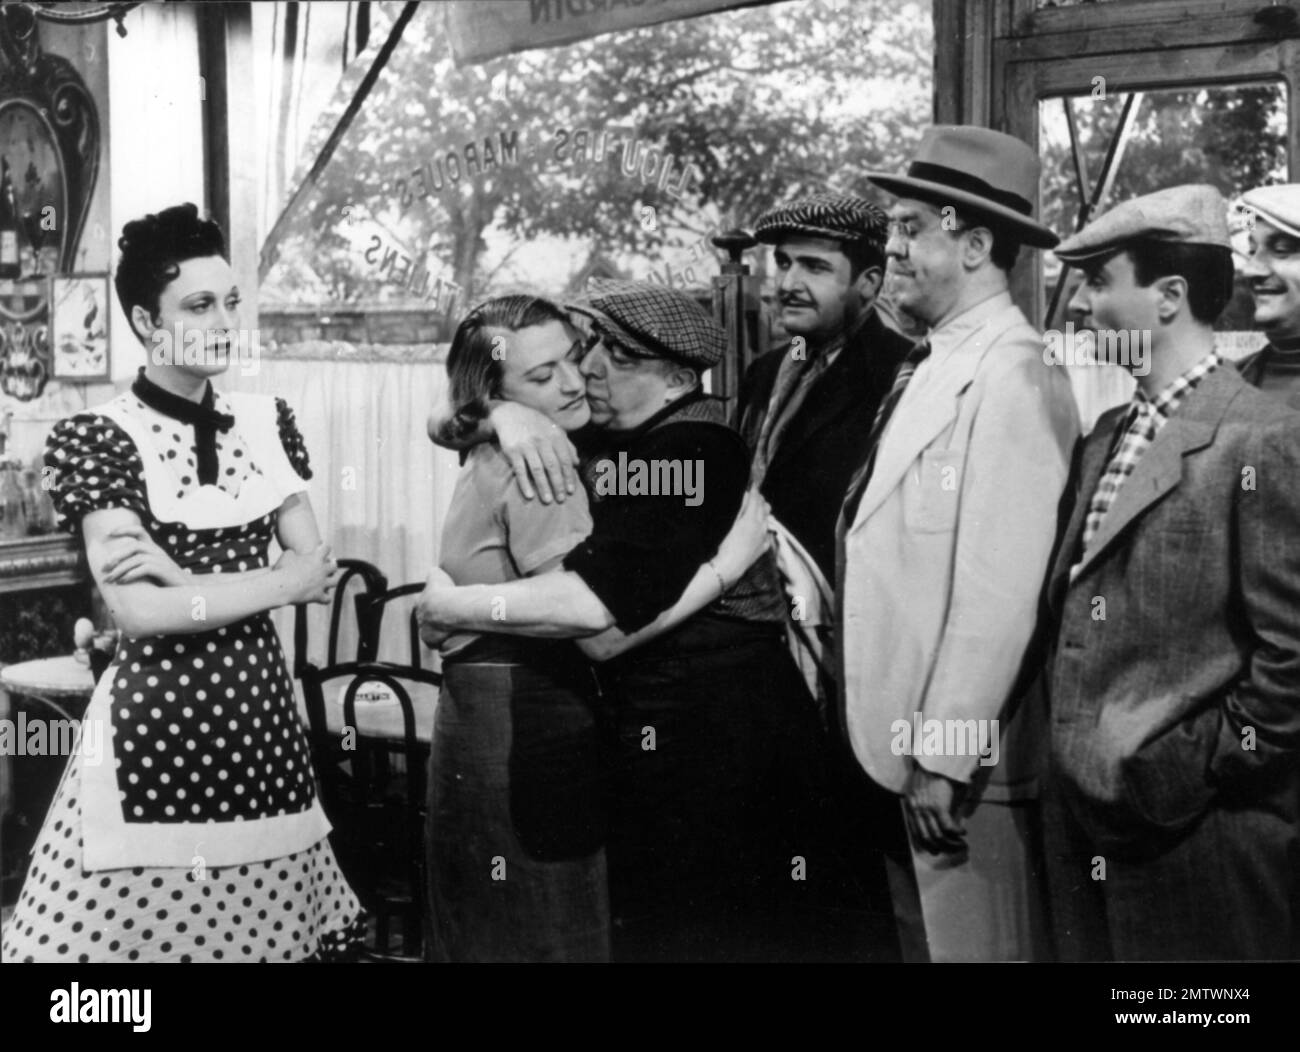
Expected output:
(868, 360)
(1084, 481)
(763, 371)
(833, 394)
(910, 432)
(1160, 469)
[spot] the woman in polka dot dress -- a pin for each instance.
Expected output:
(198, 836)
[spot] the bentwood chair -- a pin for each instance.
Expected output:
(357, 583)
(373, 788)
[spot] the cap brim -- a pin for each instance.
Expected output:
(775, 234)
(1029, 231)
(1075, 257)
(1274, 220)
(617, 331)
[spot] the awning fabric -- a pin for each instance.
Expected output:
(484, 29)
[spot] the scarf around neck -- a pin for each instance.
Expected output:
(202, 416)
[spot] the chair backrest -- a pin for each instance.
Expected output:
(370, 612)
(372, 582)
(377, 806)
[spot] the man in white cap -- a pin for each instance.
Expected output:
(1170, 810)
(946, 534)
(1273, 269)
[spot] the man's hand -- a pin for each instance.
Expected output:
(539, 451)
(931, 803)
(135, 556)
(433, 633)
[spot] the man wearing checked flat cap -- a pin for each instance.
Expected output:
(1170, 807)
(710, 724)
(1273, 269)
(806, 410)
(946, 533)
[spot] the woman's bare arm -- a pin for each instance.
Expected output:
(560, 605)
(143, 608)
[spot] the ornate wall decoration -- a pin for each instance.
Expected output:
(50, 139)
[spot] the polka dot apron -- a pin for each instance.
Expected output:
(198, 834)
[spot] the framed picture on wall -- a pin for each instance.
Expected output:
(79, 327)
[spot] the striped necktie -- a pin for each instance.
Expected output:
(858, 486)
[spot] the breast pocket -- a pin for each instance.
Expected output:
(933, 491)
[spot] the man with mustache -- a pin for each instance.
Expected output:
(1174, 785)
(946, 535)
(712, 723)
(1273, 269)
(805, 412)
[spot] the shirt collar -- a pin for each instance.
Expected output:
(1284, 345)
(837, 342)
(1169, 397)
(951, 333)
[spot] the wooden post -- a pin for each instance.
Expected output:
(735, 306)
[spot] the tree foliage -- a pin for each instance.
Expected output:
(765, 102)
(1232, 137)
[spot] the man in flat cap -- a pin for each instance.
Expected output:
(805, 412)
(1174, 668)
(711, 720)
(1273, 269)
(946, 534)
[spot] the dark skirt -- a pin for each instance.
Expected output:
(516, 867)
(715, 795)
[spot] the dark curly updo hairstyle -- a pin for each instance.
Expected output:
(473, 371)
(153, 248)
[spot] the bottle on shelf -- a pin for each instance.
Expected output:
(11, 503)
(36, 505)
(10, 267)
(40, 496)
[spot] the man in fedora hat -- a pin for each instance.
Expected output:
(712, 726)
(945, 535)
(805, 411)
(1273, 270)
(1171, 805)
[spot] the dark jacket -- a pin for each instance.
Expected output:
(809, 475)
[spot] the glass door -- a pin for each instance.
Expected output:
(1112, 127)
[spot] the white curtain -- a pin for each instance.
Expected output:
(380, 488)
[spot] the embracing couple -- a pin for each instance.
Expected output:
(621, 764)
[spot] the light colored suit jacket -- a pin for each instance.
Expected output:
(943, 565)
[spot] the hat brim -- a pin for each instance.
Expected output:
(1028, 230)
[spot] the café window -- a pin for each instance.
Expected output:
(620, 155)
(1102, 147)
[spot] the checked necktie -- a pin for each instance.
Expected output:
(858, 486)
